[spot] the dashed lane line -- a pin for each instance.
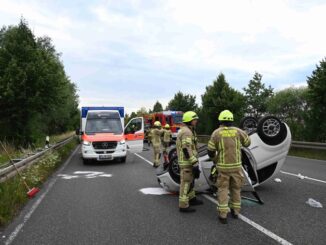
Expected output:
(243, 218)
(303, 177)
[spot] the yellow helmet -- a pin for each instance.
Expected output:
(167, 126)
(226, 115)
(157, 124)
(189, 116)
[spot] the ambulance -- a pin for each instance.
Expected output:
(104, 137)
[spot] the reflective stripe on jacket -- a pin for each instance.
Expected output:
(156, 136)
(227, 141)
(186, 139)
(167, 135)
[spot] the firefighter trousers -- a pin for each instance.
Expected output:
(232, 182)
(186, 186)
(157, 152)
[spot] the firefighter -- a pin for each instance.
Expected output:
(226, 141)
(188, 162)
(167, 136)
(149, 136)
(156, 134)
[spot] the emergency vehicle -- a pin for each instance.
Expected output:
(173, 118)
(104, 136)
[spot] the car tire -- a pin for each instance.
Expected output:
(174, 169)
(86, 161)
(123, 159)
(172, 153)
(249, 124)
(271, 130)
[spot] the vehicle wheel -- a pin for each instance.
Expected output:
(174, 169)
(172, 153)
(271, 130)
(86, 161)
(249, 124)
(123, 159)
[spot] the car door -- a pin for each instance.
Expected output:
(134, 135)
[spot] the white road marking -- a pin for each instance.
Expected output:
(243, 218)
(84, 174)
(303, 177)
(154, 191)
(255, 225)
(18, 228)
(149, 162)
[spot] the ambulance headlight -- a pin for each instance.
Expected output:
(122, 142)
(86, 143)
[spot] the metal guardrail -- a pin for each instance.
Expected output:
(9, 171)
(294, 144)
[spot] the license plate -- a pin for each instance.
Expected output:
(105, 157)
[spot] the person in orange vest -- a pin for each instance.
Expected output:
(224, 147)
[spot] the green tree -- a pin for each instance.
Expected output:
(291, 106)
(218, 97)
(317, 103)
(257, 96)
(157, 107)
(36, 96)
(183, 102)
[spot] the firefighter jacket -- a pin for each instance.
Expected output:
(156, 136)
(167, 135)
(187, 147)
(227, 142)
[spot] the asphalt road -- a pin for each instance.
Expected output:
(102, 203)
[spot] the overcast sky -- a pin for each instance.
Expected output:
(132, 53)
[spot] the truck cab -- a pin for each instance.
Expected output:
(104, 136)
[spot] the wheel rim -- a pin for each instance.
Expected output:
(249, 125)
(175, 167)
(271, 127)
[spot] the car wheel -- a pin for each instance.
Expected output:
(86, 161)
(249, 124)
(123, 159)
(174, 169)
(271, 130)
(172, 153)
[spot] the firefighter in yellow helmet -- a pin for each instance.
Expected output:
(167, 136)
(156, 134)
(188, 162)
(224, 147)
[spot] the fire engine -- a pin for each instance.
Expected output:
(173, 118)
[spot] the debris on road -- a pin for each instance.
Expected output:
(301, 176)
(278, 180)
(314, 203)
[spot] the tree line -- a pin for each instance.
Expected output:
(303, 108)
(37, 98)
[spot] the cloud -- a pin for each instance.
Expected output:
(135, 52)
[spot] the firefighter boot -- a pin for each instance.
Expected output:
(223, 220)
(233, 214)
(194, 202)
(187, 210)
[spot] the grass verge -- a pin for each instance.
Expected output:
(13, 192)
(308, 153)
(16, 153)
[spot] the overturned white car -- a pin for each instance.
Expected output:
(270, 143)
